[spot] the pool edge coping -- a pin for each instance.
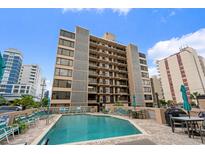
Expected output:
(40, 137)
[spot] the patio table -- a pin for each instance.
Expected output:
(187, 120)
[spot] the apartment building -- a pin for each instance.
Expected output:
(184, 67)
(156, 88)
(96, 71)
(146, 83)
(30, 74)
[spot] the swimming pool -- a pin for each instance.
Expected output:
(76, 128)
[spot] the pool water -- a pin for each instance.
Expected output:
(76, 128)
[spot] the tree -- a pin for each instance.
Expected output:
(44, 102)
(163, 102)
(194, 96)
(3, 101)
(26, 102)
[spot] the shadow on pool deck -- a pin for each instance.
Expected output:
(138, 142)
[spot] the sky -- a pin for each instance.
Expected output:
(157, 32)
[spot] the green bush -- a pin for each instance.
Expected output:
(118, 104)
(22, 127)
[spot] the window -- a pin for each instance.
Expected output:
(146, 82)
(62, 83)
(60, 95)
(144, 68)
(67, 34)
(66, 62)
(142, 55)
(15, 91)
(145, 75)
(147, 89)
(63, 72)
(148, 97)
(66, 43)
(65, 52)
(143, 61)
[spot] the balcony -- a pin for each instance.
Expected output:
(93, 73)
(92, 90)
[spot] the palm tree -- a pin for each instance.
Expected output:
(194, 96)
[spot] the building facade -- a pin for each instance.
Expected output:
(19, 79)
(185, 68)
(13, 62)
(96, 71)
(156, 88)
(31, 75)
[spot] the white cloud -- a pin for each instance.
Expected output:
(166, 48)
(120, 11)
(152, 71)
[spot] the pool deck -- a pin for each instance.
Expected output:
(153, 133)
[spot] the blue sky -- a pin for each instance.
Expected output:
(35, 31)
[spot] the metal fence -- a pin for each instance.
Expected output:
(72, 109)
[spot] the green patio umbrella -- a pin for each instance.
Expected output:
(134, 103)
(186, 104)
(2, 66)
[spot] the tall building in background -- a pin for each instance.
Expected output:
(20, 79)
(13, 62)
(146, 83)
(31, 75)
(156, 88)
(184, 67)
(98, 71)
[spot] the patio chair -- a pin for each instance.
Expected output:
(8, 130)
(3, 135)
(27, 120)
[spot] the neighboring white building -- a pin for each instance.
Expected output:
(184, 67)
(31, 75)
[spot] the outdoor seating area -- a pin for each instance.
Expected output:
(19, 125)
(193, 126)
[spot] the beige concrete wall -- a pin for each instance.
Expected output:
(12, 115)
(164, 80)
(176, 76)
(193, 71)
(202, 103)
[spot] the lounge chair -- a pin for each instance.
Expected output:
(27, 120)
(6, 130)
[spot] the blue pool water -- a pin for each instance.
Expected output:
(77, 128)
